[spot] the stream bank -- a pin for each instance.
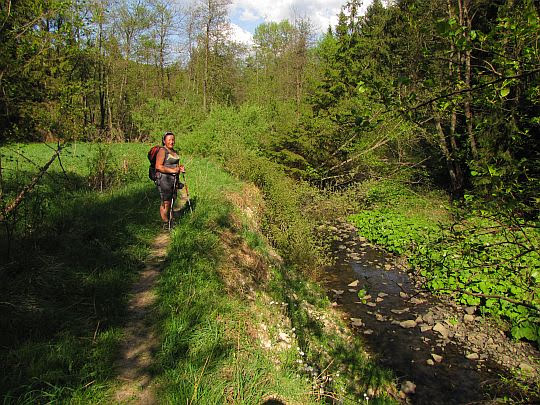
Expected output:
(441, 353)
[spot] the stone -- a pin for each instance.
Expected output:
(379, 317)
(430, 362)
(436, 357)
(408, 387)
(403, 295)
(382, 295)
(468, 318)
(341, 247)
(368, 332)
(411, 323)
(416, 301)
(428, 318)
(371, 304)
(387, 266)
(353, 284)
(366, 297)
(352, 290)
(283, 337)
(472, 356)
(419, 319)
(425, 328)
(399, 311)
(379, 299)
(338, 292)
(527, 369)
(335, 304)
(470, 310)
(441, 329)
(356, 322)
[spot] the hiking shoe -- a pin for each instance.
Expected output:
(165, 226)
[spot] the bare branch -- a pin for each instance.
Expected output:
(471, 89)
(29, 187)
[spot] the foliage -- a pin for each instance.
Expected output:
(485, 260)
(103, 173)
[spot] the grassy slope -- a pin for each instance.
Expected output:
(227, 304)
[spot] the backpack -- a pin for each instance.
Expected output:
(152, 154)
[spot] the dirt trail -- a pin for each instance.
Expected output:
(448, 353)
(140, 341)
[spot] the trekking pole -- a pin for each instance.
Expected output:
(171, 208)
(187, 192)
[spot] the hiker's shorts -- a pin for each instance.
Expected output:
(165, 184)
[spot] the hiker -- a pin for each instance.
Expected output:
(167, 170)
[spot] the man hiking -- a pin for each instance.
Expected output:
(167, 171)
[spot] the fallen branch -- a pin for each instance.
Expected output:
(500, 297)
(29, 187)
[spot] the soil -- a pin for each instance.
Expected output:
(440, 352)
(140, 341)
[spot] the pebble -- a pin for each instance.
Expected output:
(368, 332)
(468, 318)
(408, 387)
(399, 311)
(411, 323)
(352, 290)
(403, 295)
(353, 284)
(441, 329)
(436, 357)
(382, 295)
(470, 310)
(416, 301)
(356, 322)
(371, 304)
(284, 337)
(430, 362)
(379, 299)
(472, 356)
(425, 328)
(428, 318)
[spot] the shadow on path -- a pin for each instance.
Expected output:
(140, 342)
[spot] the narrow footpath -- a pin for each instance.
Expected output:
(440, 352)
(140, 341)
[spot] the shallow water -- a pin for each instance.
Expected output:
(455, 380)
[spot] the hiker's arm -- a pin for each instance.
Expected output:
(160, 159)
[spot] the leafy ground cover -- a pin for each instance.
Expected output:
(486, 260)
(236, 322)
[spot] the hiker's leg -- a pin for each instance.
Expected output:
(164, 210)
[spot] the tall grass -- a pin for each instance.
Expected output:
(65, 285)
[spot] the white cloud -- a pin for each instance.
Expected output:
(239, 34)
(322, 13)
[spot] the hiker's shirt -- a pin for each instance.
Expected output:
(166, 180)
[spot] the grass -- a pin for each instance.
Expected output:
(236, 323)
(64, 287)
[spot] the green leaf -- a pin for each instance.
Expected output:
(505, 91)
(526, 330)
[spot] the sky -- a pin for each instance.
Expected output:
(246, 15)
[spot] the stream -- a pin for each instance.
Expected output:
(408, 330)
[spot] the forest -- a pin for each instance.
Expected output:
(416, 121)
